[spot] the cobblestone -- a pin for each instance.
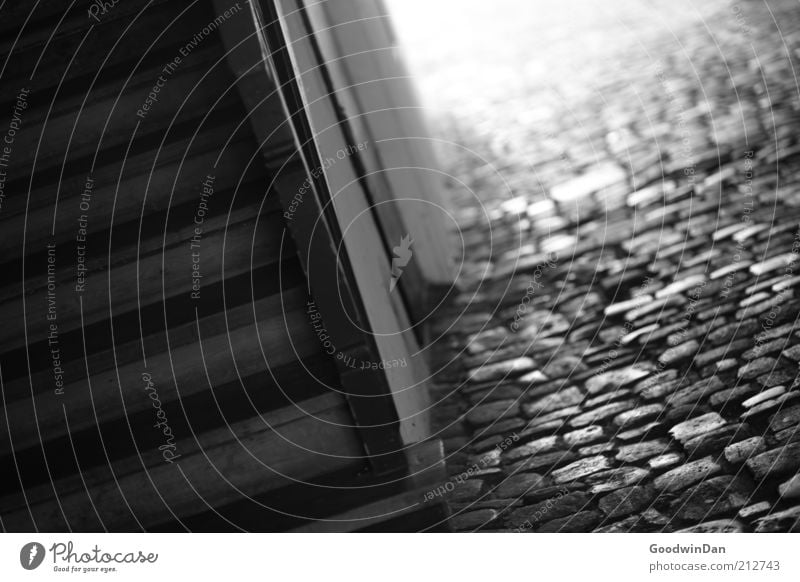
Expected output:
(579, 522)
(738, 453)
(641, 451)
(665, 461)
(681, 352)
(600, 413)
(501, 370)
(542, 445)
(473, 519)
(689, 429)
(486, 413)
(623, 502)
(686, 475)
(713, 442)
(756, 368)
(790, 489)
(717, 496)
(785, 419)
(618, 478)
(518, 485)
(787, 520)
(639, 415)
(776, 461)
(553, 508)
(716, 526)
(584, 436)
(652, 382)
(561, 399)
(582, 468)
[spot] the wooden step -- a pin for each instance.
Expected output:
(87, 50)
(55, 18)
(152, 278)
(215, 468)
(74, 371)
(177, 373)
(100, 445)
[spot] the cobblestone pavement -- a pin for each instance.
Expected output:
(623, 352)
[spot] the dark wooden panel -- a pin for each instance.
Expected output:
(19, 16)
(121, 244)
(161, 166)
(86, 50)
(156, 318)
(221, 466)
(32, 23)
(99, 446)
(168, 273)
(190, 95)
(253, 400)
(128, 231)
(178, 372)
(269, 309)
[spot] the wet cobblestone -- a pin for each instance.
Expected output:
(651, 381)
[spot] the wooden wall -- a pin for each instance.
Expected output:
(159, 363)
(135, 393)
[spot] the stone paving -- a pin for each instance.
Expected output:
(623, 351)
